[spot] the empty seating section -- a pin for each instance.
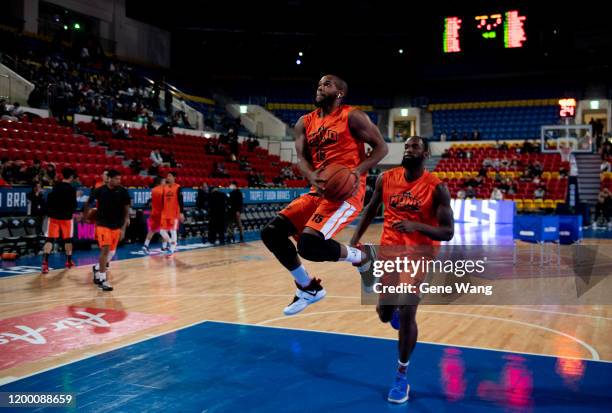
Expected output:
(290, 113)
(520, 119)
(456, 171)
(194, 166)
(46, 141)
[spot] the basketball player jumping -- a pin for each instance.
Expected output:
(112, 219)
(423, 216)
(157, 207)
(172, 212)
(332, 134)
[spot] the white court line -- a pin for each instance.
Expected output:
(594, 353)
(349, 297)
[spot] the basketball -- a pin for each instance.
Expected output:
(340, 182)
(91, 215)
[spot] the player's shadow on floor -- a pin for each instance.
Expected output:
(49, 281)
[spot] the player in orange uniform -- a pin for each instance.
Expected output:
(417, 211)
(172, 212)
(332, 134)
(157, 206)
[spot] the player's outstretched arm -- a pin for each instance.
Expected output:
(444, 214)
(369, 213)
(362, 128)
(304, 161)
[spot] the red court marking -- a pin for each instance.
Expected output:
(49, 333)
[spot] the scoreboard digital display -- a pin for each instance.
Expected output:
(485, 31)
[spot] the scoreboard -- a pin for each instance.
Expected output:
(500, 30)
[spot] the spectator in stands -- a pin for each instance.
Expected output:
(244, 163)
(252, 143)
(210, 148)
(446, 153)
(504, 163)
(464, 136)
(4, 112)
(233, 145)
(17, 111)
(35, 172)
(540, 192)
(495, 164)
(487, 163)
(461, 194)
(515, 163)
(443, 136)
(603, 208)
(497, 194)
(36, 203)
(234, 211)
(49, 175)
(454, 136)
(470, 193)
(219, 171)
(474, 181)
(536, 169)
(460, 153)
(527, 147)
(253, 180)
(217, 206)
(605, 166)
(475, 135)
(503, 146)
(156, 158)
(202, 197)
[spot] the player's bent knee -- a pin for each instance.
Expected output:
(385, 312)
(315, 248)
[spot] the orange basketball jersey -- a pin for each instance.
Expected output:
(330, 140)
(157, 200)
(407, 200)
(171, 208)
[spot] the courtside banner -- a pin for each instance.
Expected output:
(526, 274)
(479, 211)
(14, 200)
(272, 195)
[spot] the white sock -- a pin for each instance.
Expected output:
(301, 276)
(173, 236)
(353, 255)
(147, 242)
(101, 276)
(172, 247)
(402, 367)
(97, 267)
(164, 244)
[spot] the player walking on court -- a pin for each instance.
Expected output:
(417, 211)
(112, 218)
(332, 134)
(172, 212)
(61, 204)
(157, 207)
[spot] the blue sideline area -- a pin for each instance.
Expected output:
(218, 367)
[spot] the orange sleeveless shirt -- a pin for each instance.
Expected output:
(413, 201)
(171, 208)
(157, 200)
(330, 141)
